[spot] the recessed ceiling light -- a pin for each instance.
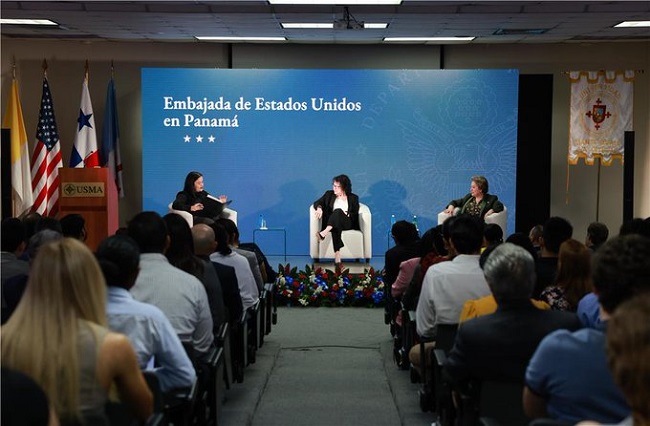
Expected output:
(305, 25)
(427, 39)
(375, 25)
(235, 39)
(336, 2)
(324, 25)
(633, 24)
(27, 22)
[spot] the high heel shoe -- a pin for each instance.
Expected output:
(320, 237)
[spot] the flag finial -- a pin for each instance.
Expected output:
(112, 69)
(44, 65)
(86, 70)
(13, 68)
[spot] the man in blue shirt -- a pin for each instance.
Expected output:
(148, 329)
(568, 378)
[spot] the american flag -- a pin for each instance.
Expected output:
(46, 159)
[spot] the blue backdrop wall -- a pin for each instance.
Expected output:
(272, 140)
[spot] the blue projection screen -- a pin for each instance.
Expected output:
(271, 140)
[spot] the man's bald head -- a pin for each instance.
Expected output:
(204, 242)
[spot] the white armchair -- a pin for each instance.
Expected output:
(227, 213)
(500, 218)
(357, 243)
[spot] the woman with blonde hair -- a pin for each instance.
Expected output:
(58, 337)
(573, 278)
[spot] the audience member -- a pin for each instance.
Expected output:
(556, 231)
(181, 255)
(535, 237)
(148, 329)
(407, 246)
(597, 234)
(521, 239)
(230, 300)
(47, 222)
(448, 285)
(492, 234)
(58, 337)
(224, 255)
(30, 220)
(24, 402)
(588, 307)
(434, 251)
(573, 279)
(74, 226)
(628, 352)
(233, 242)
(14, 287)
(636, 226)
(13, 245)
(498, 346)
(488, 304)
(179, 295)
(567, 378)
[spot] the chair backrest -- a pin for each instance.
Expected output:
(445, 336)
(498, 401)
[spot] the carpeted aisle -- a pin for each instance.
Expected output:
(325, 366)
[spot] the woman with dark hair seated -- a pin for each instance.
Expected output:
(339, 209)
(197, 201)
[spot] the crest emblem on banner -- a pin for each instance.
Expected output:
(601, 113)
(598, 113)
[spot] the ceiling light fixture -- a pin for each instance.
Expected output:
(323, 25)
(427, 39)
(633, 24)
(27, 22)
(236, 39)
(337, 2)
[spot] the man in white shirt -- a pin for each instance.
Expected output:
(180, 296)
(448, 285)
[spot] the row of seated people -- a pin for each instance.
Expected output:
(193, 322)
(449, 282)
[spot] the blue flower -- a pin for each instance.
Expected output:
(378, 297)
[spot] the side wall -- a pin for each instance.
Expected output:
(578, 204)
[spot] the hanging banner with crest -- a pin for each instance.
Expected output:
(601, 112)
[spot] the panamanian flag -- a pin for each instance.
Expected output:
(84, 150)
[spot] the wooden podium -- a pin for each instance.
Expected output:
(92, 194)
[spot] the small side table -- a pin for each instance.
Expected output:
(284, 238)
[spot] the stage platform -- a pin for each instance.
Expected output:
(376, 262)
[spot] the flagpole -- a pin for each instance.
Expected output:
(598, 190)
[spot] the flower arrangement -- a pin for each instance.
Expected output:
(326, 287)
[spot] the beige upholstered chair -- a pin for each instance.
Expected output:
(227, 213)
(500, 218)
(357, 244)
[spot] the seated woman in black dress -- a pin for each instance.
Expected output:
(339, 209)
(478, 202)
(193, 198)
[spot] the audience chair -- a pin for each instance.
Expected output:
(491, 402)
(223, 341)
(239, 348)
(500, 218)
(271, 307)
(407, 339)
(357, 243)
(253, 332)
(445, 336)
(443, 402)
(227, 213)
(118, 414)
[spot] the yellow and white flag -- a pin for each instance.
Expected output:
(21, 179)
(601, 113)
